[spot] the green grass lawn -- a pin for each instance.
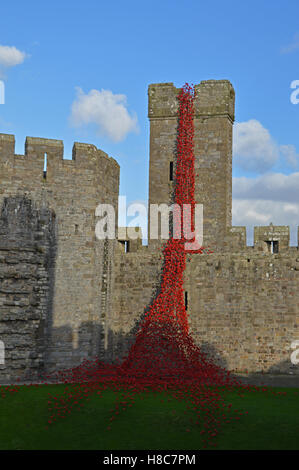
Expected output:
(272, 423)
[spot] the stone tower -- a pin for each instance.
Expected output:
(54, 272)
(213, 122)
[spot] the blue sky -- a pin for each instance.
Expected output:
(79, 71)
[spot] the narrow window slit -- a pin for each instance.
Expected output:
(45, 166)
(186, 300)
(170, 171)
(2, 353)
(272, 246)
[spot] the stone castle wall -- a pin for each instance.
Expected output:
(71, 189)
(244, 309)
(77, 297)
(140, 273)
(27, 255)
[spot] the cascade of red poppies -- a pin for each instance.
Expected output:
(163, 349)
(163, 346)
(164, 356)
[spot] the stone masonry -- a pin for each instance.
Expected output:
(82, 265)
(66, 296)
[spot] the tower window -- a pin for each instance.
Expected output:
(186, 300)
(170, 171)
(126, 244)
(272, 246)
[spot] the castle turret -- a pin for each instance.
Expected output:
(272, 238)
(78, 284)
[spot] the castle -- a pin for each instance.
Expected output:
(66, 296)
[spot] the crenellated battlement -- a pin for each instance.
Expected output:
(7, 145)
(72, 188)
(267, 239)
(213, 98)
(44, 170)
(36, 148)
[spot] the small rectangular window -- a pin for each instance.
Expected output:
(272, 246)
(126, 245)
(170, 171)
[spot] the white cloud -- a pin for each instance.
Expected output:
(253, 213)
(271, 187)
(293, 208)
(106, 110)
(11, 56)
(290, 154)
(253, 147)
(268, 198)
(291, 47)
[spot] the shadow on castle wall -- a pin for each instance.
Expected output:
(283, 374)
(28, 252)
(67, 355)
(27, 271)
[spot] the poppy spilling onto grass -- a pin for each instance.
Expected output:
(164, 356)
